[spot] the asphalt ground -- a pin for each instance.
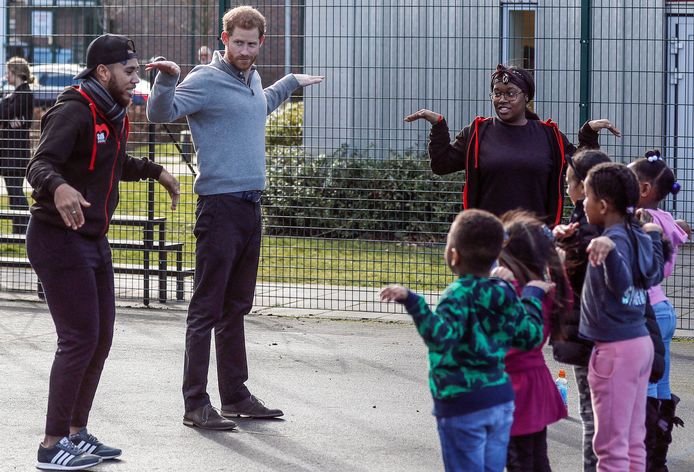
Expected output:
(354, 392)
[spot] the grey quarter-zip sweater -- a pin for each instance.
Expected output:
(226, 115)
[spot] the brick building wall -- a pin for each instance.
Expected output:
(171, 28)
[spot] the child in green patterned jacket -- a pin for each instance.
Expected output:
(477, 320)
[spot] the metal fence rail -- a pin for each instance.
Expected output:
(351, 202)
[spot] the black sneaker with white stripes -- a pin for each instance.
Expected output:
(86, 442)
(65, 456)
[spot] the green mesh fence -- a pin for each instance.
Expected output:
(351, 203)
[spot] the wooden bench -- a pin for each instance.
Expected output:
(147, 245)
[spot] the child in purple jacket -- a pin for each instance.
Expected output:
(656, 182)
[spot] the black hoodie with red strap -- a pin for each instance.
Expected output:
(80, 147)
(507, 166)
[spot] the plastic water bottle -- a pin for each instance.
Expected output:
(563, 386)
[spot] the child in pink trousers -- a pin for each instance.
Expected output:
(624, 262)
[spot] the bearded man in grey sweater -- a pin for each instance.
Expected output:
(226, 108)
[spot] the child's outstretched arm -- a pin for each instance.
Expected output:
(613, 256)
(394, 293)
(685, 227)
(436, 328)
(657, 272)
(528, 333)
(598, 250)
(565, 231)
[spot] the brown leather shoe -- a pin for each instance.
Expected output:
(251, 407)
(207, 417)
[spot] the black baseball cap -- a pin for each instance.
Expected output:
(108, 49)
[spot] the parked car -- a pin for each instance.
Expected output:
(51, 80)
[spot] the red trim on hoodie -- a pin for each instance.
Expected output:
(475, 137)
(126, 127)
(557, 134)
(92, 108)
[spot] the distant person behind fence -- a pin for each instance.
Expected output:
(16, 115)
(226, 107)
(204, 55)
(477, 320)
(511, 161)
(75, 172)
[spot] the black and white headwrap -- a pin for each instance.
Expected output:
(516, 76)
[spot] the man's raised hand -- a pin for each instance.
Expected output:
(167, 67)
(306, 80)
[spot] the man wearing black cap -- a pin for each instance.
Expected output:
(75, 172)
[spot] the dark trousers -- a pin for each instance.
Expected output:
(228, 231)
(528, 453)
(18, 201)
(590, 462)
(77, 278)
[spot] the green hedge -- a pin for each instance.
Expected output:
(350, 195)
(345, 196)
(284, 127)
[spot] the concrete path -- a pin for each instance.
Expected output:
(354, 391)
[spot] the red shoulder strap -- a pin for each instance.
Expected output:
(473, 138)
(92, 108)
(562, 153)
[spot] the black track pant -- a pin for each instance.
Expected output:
(77, 277)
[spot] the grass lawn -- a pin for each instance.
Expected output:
(283, 259)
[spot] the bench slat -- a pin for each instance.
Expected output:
(12, 261)
(137, 220)
(158, 265)
(115, 243)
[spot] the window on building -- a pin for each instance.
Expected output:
(518, 40)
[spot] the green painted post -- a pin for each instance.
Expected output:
(193, 23)
(585, 87)
(223, 7)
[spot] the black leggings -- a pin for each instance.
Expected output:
(77, 277)
(528, 453)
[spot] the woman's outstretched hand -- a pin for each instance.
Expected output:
(597, 125)
(424, 114)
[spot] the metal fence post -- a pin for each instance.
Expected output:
(223, 7)
(149, 229)
(586, 33)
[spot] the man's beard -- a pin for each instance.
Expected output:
(245, 67)
(117, 95)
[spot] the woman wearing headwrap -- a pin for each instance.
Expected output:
(513, 160)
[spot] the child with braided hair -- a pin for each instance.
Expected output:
(656, 182)
(573, 238)
(624, 262)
